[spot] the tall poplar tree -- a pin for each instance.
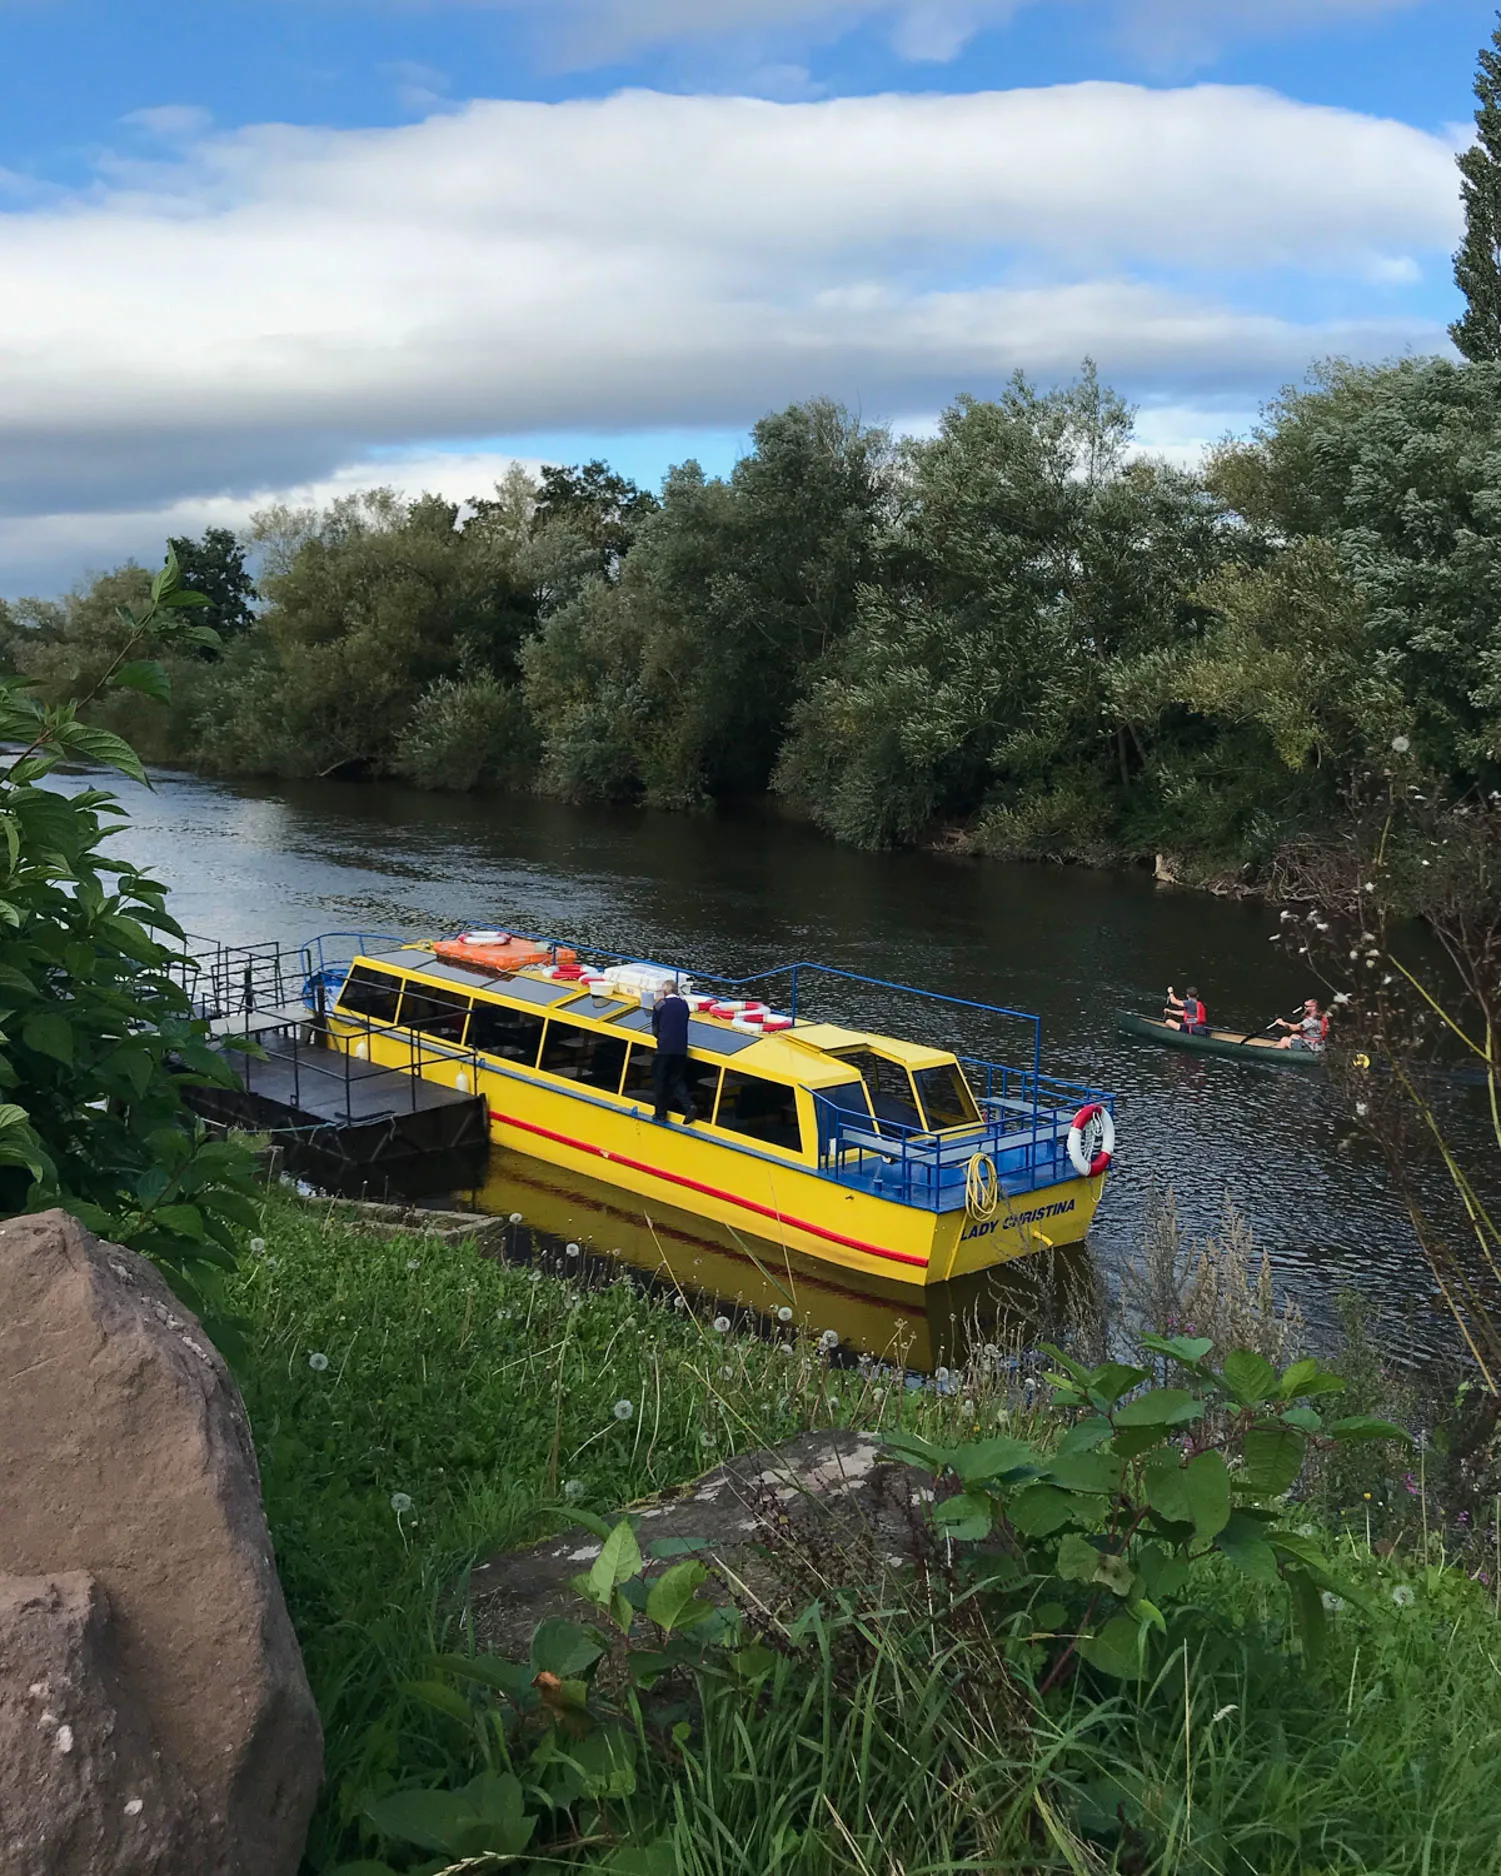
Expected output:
(1477, 265)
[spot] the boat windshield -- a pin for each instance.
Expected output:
(946, 1097)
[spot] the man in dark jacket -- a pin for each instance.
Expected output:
(669, 1024)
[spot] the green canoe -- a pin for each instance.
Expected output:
(1228, 1042)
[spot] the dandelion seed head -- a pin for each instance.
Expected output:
(1403, 1596)
(257, 1247)
(623, 1409)
(829, 1339)
(573, 1490)
(515, 1218)
(1401, 745)
(1332, 1602)
(721, 1325)
(401, 1503)
(784, 1314)
(317, 1361)
(414, 1263)
(571, 1250)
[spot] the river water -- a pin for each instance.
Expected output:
(739, 892)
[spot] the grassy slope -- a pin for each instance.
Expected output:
(480, 1394)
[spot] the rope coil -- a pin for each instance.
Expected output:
(982, 1188)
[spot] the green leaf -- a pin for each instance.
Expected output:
(1309, 1615)
(1002, 1458)
(966, 1518)
(651, 1859)
(1189, 1350)
(104, 746)
(1367, 1427)
(617, 1562)
(1084, 1436)
(1244, 1542)
(1077, 1559)
(1085, 1472)
(1206, 1485)
(563, 1648)
(1274, 1458)
(674, 1602)
(148, 677)
(1162, 1407)
(429, 1819)
(1304, 1379)
(1107, 1384)
(1250, 1377)
(1042, 1509)
(49, 1034)
(504, 1677)
(1117, 1649)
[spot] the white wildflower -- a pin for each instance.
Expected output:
(727, 1374)
(572, 1250)
(1401, 745)
(317, 1361)
(1332, 1602)
(721, 1325)
(829, 1339)
(833, 1402)
(623, 1409)
(414, 1263)
(515, 1218)
(706, 1438)
(1362, 1108)
(1403, 1596)
(784, 1314)
(401, 1503)
(1224, 1714)
(573, 1490)
(534, 1276)
(257, 1247)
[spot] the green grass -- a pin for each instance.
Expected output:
(890, 1745)
(486, 1395)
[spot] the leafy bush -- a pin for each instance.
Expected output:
(96, 1024)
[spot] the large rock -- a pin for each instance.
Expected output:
(128, 1479)
(776, 1526)
(82, 1784)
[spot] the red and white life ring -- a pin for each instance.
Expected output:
(1092, 1124)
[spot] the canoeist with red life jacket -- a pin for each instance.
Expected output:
(1309, 1031)
(1186, 1012)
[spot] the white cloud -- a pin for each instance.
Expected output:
(48, 553)
(280, 301)
(1179, 33)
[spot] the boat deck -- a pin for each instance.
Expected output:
(304, 1093)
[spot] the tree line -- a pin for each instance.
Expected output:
(1018, 634)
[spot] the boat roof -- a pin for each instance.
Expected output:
(808, 1053)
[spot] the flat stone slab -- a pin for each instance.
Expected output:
(779, 1527)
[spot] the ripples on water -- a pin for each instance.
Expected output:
(740, 892)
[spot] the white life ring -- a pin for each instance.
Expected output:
(1093, 1122)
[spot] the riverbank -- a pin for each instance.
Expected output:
(419, 1406)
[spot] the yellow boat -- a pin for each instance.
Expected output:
(881, 1157)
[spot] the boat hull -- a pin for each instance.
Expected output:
(1230, 1044)
(698, 1170)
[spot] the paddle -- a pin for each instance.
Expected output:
(1254, 1035)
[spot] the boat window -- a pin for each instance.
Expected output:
(766, 1110)
(637, 1085)
(889, 1087)
(435, 1012)
(370, 993)
(849, 1098)
(583, 1055)
(946, 1097)
(512, 1035)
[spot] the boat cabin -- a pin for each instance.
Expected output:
(791, 1091)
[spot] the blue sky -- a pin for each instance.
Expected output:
(261, 249)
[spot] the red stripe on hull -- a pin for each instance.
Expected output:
(713, 1192)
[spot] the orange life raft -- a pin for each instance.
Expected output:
(493, 951)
